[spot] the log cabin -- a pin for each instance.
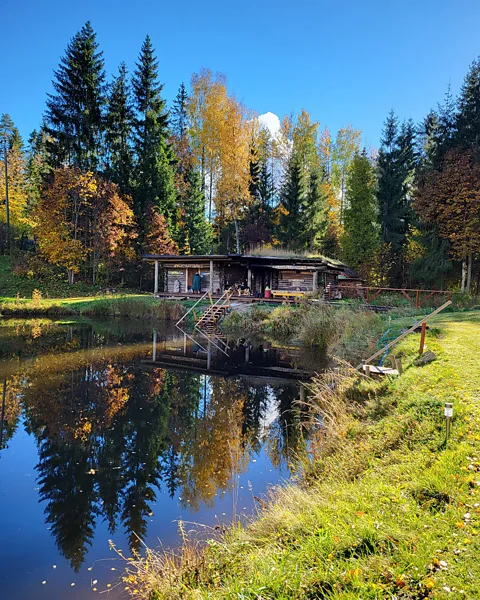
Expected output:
(282, 275)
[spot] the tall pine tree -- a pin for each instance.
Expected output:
(119, 129)
(314, 211)
(361, 235)
(468, 117)
(154, 174)
(198, 230)
(292, 197)
(74, 112)
(179, 113)
(38, 168)
(395, 160)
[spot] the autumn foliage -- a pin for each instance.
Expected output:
(82, 221)
(450, 199)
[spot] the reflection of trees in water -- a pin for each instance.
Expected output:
(254, 412)
(10, 408)
(70, 494)
(216, 451)
(285, 440)
(111, 434)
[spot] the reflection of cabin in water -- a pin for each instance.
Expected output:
(176, 274)
(200, 354)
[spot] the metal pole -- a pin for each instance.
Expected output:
(155, 287)
(448, 412)
(154, 348)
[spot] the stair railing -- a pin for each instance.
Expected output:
(220, 302)
(192, 308)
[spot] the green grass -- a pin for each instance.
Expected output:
(53, 284)
(383, 510)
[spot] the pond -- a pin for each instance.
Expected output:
(116, 431)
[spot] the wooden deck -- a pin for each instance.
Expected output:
(246, 299)
(278, 300)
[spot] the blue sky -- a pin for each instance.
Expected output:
(346, 62)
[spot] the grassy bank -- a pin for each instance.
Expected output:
(344, 331)
(22, 280)
(134, 306)
(383, 510)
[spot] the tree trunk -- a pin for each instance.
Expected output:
(464, 275)
(71, 276)
(469, 274)
(237, 236)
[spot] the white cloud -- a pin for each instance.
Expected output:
(271, 122)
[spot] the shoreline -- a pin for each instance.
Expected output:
(384, 506)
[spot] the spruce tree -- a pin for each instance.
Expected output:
(468, 117)
(154, 174)
(179, 122)
(432, 267)
(313, 211)
(38, 167)
(179, 114)
(254, 184)
(257, 222)
(292, 198)
(266, 187)
(197, 229)
(13, 162)
(395, 162)
(408, 159)
(119, 129)
(74, 112)
(361, 236)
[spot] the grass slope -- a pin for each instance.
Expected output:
(115, 305)
(391, 513)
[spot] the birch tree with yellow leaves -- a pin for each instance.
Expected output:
(13, 177)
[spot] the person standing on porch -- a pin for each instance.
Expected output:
(197, 283)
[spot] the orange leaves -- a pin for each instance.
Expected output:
(157, 237)
(450, 198)
(80, 215)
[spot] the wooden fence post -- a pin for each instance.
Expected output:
(422, 338)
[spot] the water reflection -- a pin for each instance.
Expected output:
(121, 415)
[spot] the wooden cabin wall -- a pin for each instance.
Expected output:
(292, 280)
(180, 274)
(172, 276)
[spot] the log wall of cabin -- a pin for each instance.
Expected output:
(293, 280)
(179, 274)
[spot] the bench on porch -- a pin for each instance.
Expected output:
(287, 294)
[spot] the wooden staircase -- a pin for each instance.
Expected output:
(208, 320)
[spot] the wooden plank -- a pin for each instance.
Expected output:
(373, 370)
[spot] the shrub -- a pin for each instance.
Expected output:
(36, 298)
(283, 321)
(317, 326)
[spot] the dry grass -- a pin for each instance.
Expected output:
(278, 252)
(176, 569)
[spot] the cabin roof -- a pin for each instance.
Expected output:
(259, 260)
